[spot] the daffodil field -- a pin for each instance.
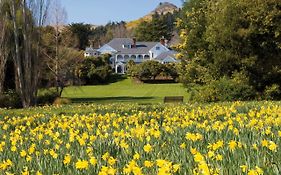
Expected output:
(224, 138)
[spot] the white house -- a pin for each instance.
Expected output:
(90, 52)
(125, 49)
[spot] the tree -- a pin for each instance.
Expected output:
(160, 26)
(95, 70)
(82, 32)
(103, 34)
(171, 70)
(55, 58)
(146, 70)
(3, 48)
(60, 60)
(27, 17)
(228, 38)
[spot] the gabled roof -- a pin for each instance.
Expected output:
(141, 47)
(164, 55)
(90, 49)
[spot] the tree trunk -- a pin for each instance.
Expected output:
(27, 53)
(57, 58)
(3, 61)
(17, 57)
(23, 60)
(3, 50)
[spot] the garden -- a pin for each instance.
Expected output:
(217, 138)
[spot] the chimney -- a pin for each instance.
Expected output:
(134, 42)
(162, 40)
(166, 42)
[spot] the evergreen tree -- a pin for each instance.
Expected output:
(160, 26)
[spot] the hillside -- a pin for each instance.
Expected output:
(162, 8)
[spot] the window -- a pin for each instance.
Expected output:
(157, 48)
(119, 58)
(126, 57)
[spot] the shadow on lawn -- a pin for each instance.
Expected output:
(110, 99)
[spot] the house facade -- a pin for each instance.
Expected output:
(126, 49)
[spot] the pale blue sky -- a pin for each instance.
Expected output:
(102, 11)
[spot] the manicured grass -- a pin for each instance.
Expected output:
(125, 91)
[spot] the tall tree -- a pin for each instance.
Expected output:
(160, 26)
(27, 17)
(3, 48)
(58, 19)
(82, 32)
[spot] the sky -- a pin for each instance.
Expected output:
(100, 12)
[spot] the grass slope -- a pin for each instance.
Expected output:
(124, 91)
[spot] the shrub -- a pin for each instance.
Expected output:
(10, 100)
(61, 101)
(95, 70)
(224, 89)
(47, 97)
(150, 70)
(272, 92)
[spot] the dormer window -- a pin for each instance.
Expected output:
(127, 46)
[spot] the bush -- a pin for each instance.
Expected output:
(224, 89)
(95, 70)
(272, 92)
(47, 97)
(150, 70)
(61, 101)
(10, 100)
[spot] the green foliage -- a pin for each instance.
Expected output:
(146, 70)
(171, 70)
(10, 99)
(224, 89)
(95, 70)
(272, 92)
(82, 32)
(103, 34)
(149, 70)
(159, 26)
(47, 97)
(223, 37)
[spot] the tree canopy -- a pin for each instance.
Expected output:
(231, 38)
(160, 26)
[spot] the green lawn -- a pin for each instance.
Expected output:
(125, 91)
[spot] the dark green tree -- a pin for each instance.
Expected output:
(95, 70)
(160, 26)
(82, 32)
(229, 38)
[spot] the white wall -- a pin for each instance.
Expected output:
(158, 52)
